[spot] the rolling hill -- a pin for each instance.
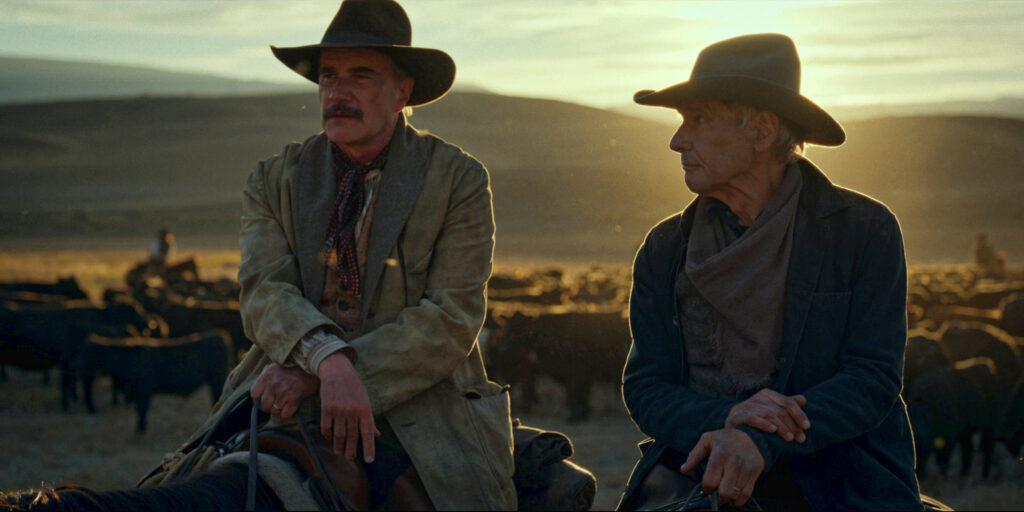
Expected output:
(570, 182)
(37, 80)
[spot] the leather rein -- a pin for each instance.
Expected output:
(327, 496)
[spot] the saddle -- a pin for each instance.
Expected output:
(335, 482)
(544, 477)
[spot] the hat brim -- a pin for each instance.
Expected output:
(818, 126)
(432, 70)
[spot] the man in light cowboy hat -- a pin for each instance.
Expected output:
(365, 252)
(769, 317)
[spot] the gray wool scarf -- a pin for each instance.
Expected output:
(744, 282)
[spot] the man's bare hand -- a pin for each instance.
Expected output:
(772, 411)
(734, 463)
(345, 414)
(281, 389)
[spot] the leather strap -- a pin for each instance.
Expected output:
(338, 499)
(254, 450)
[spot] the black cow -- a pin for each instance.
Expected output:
(64, 287)
(924, 354)
(39, 337)
(576, 348)
(1012, 314)
(143, 367)
(191, 316)
(965, 340)
(156, 327)
(948, 406)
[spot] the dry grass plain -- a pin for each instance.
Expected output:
(39, 445)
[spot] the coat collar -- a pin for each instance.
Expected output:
(819, 197)
(315, 190)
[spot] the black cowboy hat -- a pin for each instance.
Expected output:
(380, 25)
(762, 70)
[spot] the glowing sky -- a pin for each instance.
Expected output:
(596, 52)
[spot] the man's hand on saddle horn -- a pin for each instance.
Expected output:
(345, 413)
(281, 389)
(772, 411)
(734, 463)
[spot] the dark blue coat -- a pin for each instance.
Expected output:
(844, 333)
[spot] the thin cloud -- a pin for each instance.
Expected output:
(589, 51)
(184, 17)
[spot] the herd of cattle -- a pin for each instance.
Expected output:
(170, 338)
(964, 365)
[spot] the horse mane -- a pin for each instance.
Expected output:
(220, 488)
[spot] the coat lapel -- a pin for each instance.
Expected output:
(810, 242)
(314, 191)
(400, 187)
(804, 267)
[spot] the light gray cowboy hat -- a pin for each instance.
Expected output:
(380, 25)
(761, 70)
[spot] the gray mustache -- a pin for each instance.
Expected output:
(346, 110)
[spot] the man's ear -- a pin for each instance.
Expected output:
(765, 127)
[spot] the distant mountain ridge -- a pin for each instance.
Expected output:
(36, 80)
(40, 80)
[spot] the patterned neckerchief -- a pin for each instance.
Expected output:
(348, 205)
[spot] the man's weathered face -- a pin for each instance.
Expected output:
(360, 96)
(716, 152)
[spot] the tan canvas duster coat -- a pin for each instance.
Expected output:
(429, 257)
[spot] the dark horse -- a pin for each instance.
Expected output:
(223, 487)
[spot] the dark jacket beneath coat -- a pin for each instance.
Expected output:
(844, 334)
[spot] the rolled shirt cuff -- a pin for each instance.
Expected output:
(313, 348)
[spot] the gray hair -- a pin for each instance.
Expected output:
(789, 141)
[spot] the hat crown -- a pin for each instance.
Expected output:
(370, 23)
(767, 57)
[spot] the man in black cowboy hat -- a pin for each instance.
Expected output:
(365, 252)
(769, 317)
